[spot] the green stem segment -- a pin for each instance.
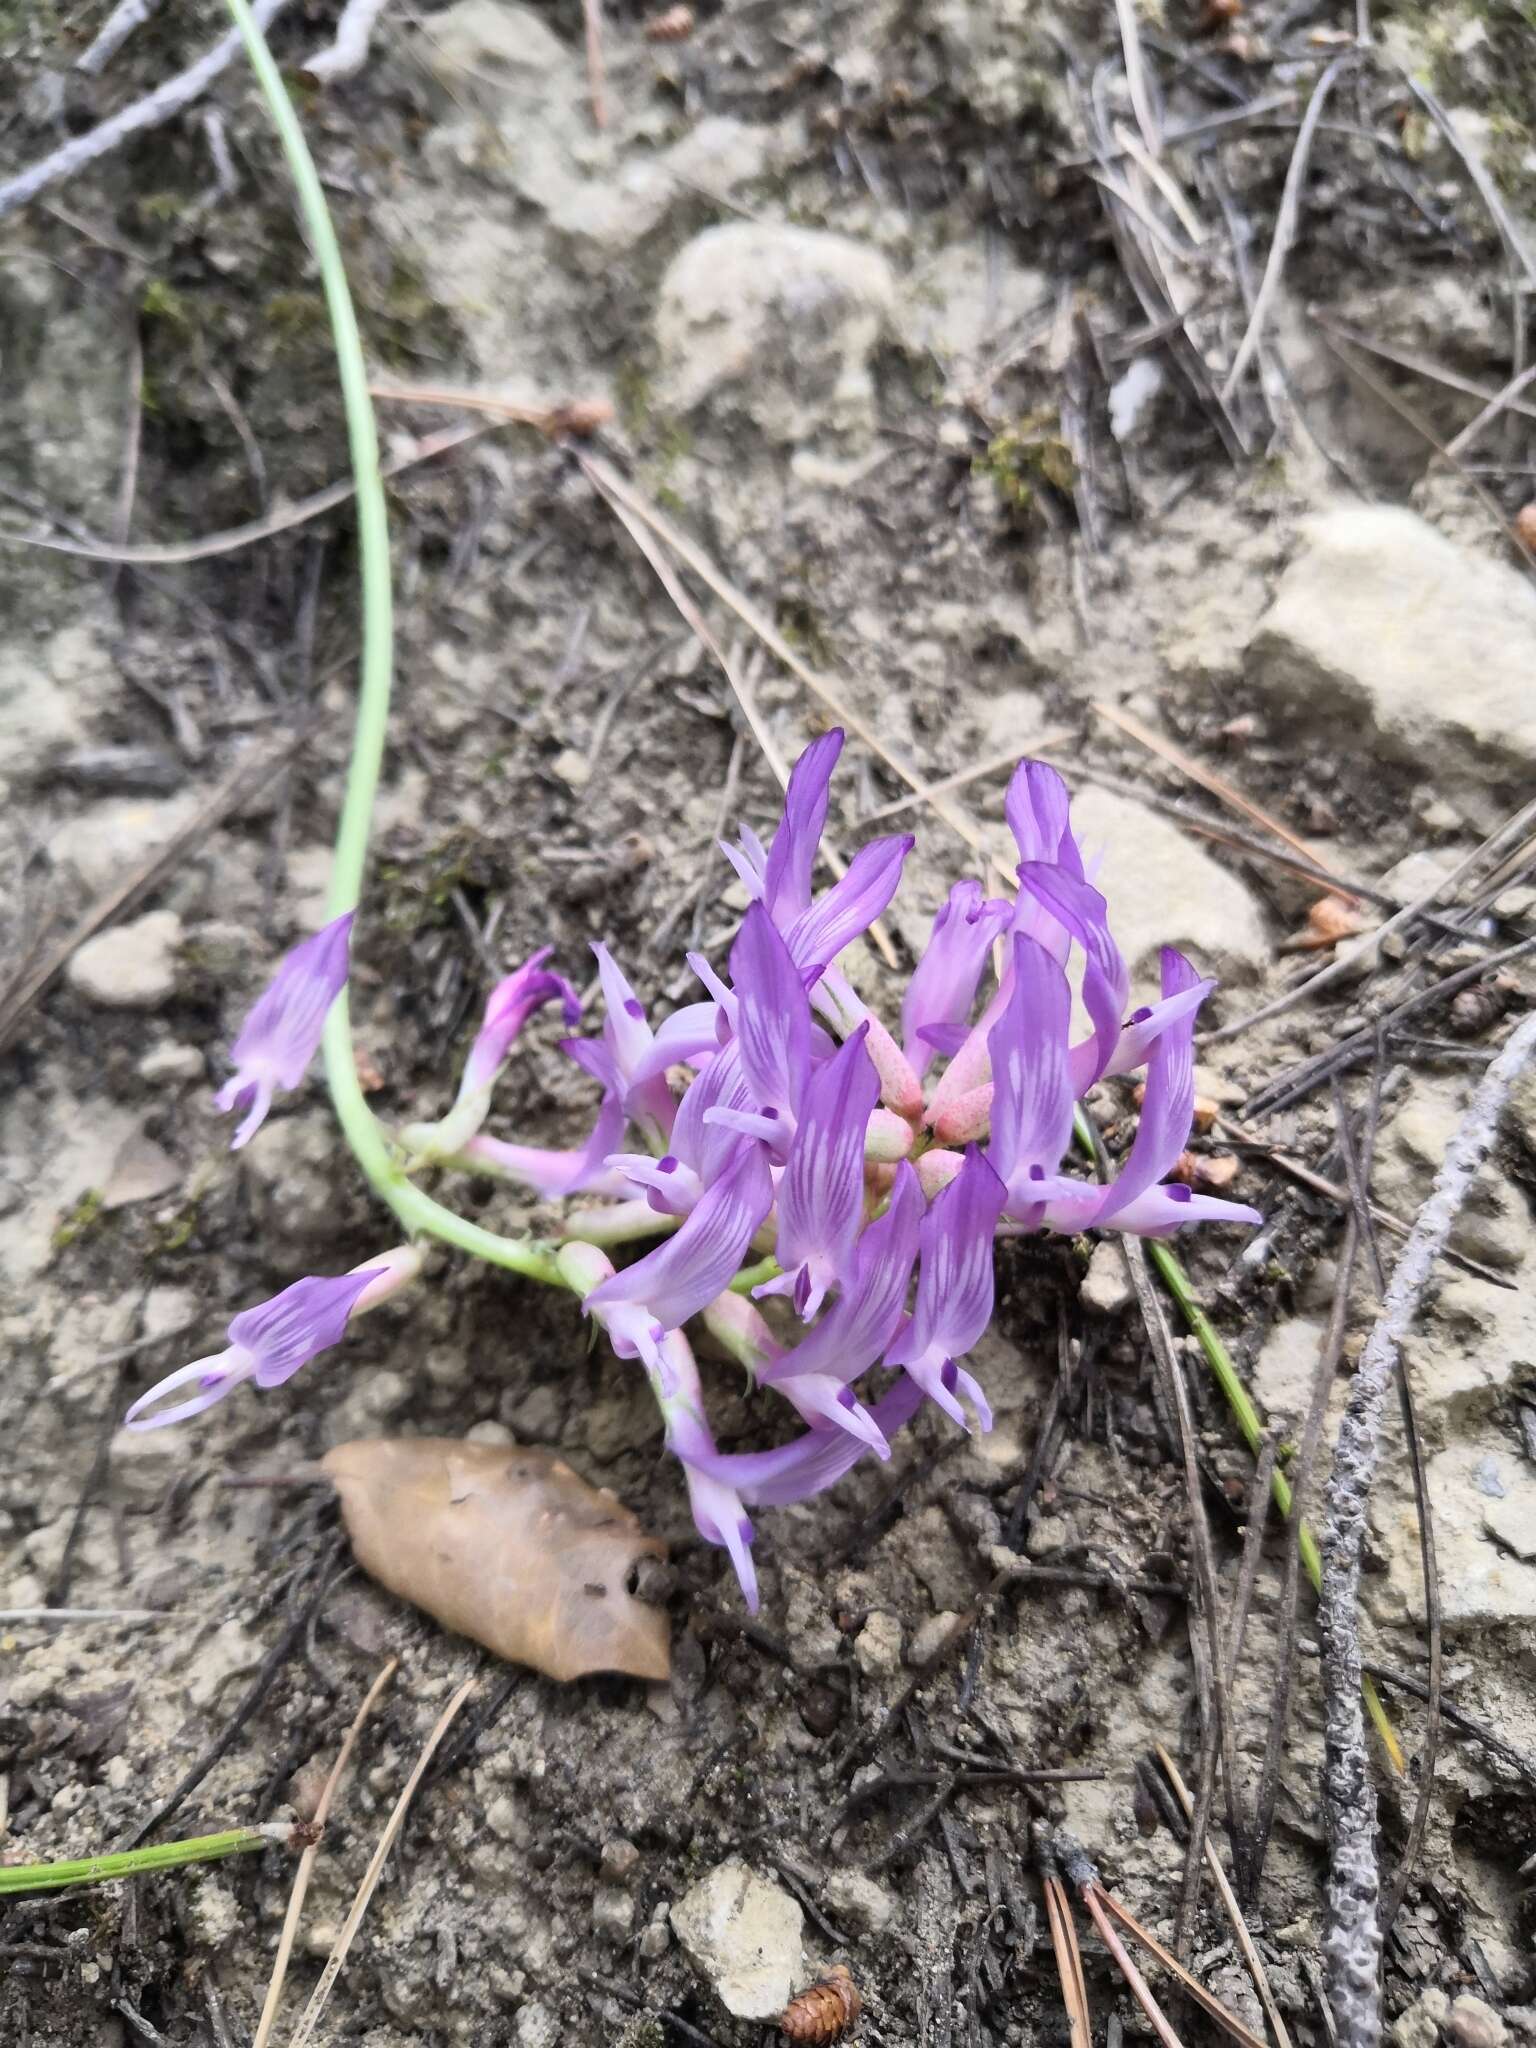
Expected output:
(16, 1878)
(368, 1144)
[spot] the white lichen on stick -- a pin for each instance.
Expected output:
(347, 54)
(1354, 1885)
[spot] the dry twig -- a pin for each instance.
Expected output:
(346, 54)
(1354, 1932)
(153, 111)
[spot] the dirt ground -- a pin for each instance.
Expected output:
(907, 325)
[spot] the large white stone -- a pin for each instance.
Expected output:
(129, 966)
(1162, 890)
(1384, 633)
(775, 323)
(743, 1934)
(1483, 1497)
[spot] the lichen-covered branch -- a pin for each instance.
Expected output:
(1354, 1934)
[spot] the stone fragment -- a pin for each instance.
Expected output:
(743, 1935)
(131, 966)
(964, 297)
(1419, 2026)
(1164, 891)
(878, 1645)
(856, 1902)
(1106, 1285)
(1482, 1494)
(613, 1913)
(112, 839)
(1383, 633)
(1473, 2023)
(777, 325)
(1286, 1367)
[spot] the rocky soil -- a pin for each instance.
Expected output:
(869, 290)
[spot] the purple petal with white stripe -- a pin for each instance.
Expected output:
(1031, 1116)
(791, 861)
(863, 1320)
(821, 1191)
(508, 1007)
(814, 1461)
(944, 982)
(685, 1274)
(1037, 808)
(955, 1289)
(1085, 914)
(773, 1019)
(850, 906)
(281, 1035)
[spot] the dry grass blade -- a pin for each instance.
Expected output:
(1285, 224)
(597, 77)
(307, 1861)
(995, 764)
(1506, 400)
(1251, 1955)
(1069, 1964)
(1207, 2001)
(1136, 76)
(667, 577)
(607, 479)
(1140, 1988)
(304, 2032)
(1218, 786)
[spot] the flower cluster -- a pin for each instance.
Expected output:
(787, 1146)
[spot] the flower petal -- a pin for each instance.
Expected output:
(814, 1461)
(821, 1192)
(685, 1274)
(955, 1288)
(1084, 913)
(773, 1017)
(507, 1009)
(1037, 807)
(281, 1035)
(214, 1379)
(1031, 1111)
(791, 862)
(1168, 1106)
(864, 1318)
(285, 1333)
(850, 906)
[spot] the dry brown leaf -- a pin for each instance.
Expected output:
(507, 1546)
(1329, 920)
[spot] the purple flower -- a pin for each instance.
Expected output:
(954, 1289)
(850, 906)
(279, 1038)
(1037, 808)
(269, 1343)
(1032, 1089)
(821, 1191)
(630, 1042)
(1134, 1200)
(814, 1461)
(773, 1020)
(507, 1009)
(782, 878)
(1083, 912)
(943, 985)
(661, 1291)
(864, 1318)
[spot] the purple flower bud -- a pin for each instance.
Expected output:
(508, 1007)
(821, 1192)
(792, 861)
(944, 982)
(1037, 807)
(954, 1288)
(269, 1343)
(282, 1033)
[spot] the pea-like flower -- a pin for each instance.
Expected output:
(281, 1035)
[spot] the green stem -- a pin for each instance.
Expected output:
(368, 1144)
(754, 1276)
(1249, 1422)
(44, 1877)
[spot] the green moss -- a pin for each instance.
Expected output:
(1022, 458)
(79, 1221)
(160, 300)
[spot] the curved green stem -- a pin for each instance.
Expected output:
(360, 1128)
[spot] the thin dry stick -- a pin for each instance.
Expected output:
(303, 2033)
(245, 780)
(1423, 366)
(113, 33)
(1285, 224)
(1218, 786)
(1136, 76)
(1354, 1941)
(741, 689)
(169, 554)
(1128, 1970)
(347, 53)
(152, 111)
(307, 1861)
(1069, 1960)
(993, 765)
(1522, 818)
(1212, 2007)
(1458, 444)
(1251, 1956)
(592, 21)
(1329, 1353)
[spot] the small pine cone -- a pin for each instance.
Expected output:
(675, 26)
(1482, 1004)
(825, 2012)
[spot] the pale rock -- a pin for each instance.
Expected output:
(1473, 2023)
(211, 1912)
(1002, 57)
(1286, 1367)
(777, 324)
(38, 715)
(1163, 890)
(929, 1638)
(1132, 394)
(130, 966)
(743, 1935)
(1475, 1343)
(619, 1860)
(1106, 1285)
(145, 1463)
(1383, 633)
(613, 1913)
(856, 1901)
(70, 1146)
(1476, 1490)
(171, 1063)
(221, 1655)
(1494, 1225)
(167, 1311)
(537, 2026)
(113, 839)
(877, 1647)
(1419, 2026)
(610, 214)
(494, 57)
(142, 1172)
(960, 301)
(1048, 1536)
